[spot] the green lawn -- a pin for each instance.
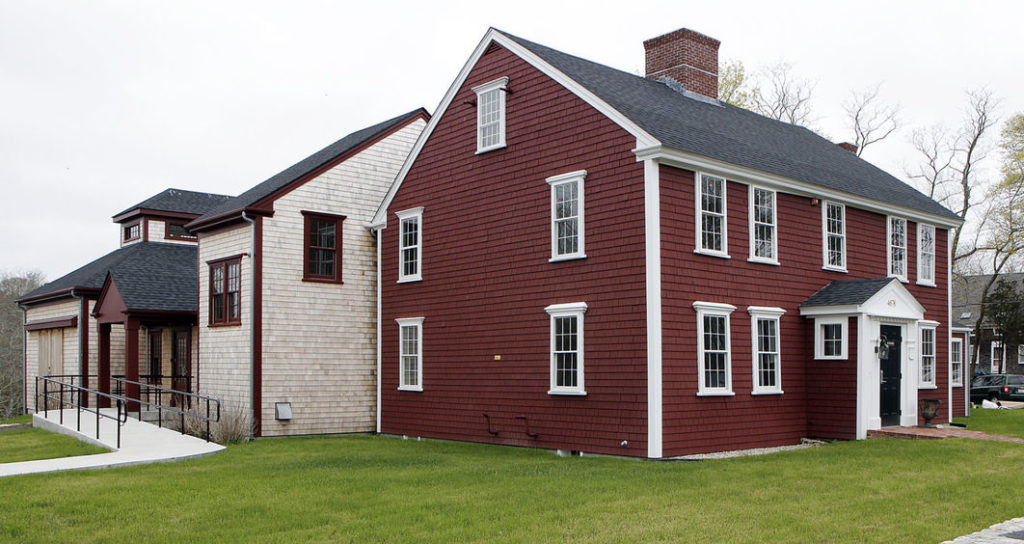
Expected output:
(27, 418)
(1005, 422)
(30, 444)
(371, 489)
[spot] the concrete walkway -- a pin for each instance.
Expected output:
(141, 443)
(1007, 532)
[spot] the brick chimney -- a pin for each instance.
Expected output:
(688, 57)
(848, 146)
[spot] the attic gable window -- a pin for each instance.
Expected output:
(925, 255)
(490, 115)
(410, 245)
(897, 254)
(322, 247)
(132, 232)
(711, 228)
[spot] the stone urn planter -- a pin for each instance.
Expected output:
(929, 409)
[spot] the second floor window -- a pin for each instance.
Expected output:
(925, 254)
(898, 248)
(490, 110)
(226, 291)
(322, 247)
(834, 234)
(711, 216)
(763, 245)
(567, 226)
(410, 244)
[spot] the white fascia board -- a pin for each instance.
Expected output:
(743, 174)
(845, 309)
(961, 330)
(643, 139)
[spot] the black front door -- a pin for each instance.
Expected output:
(890, 357)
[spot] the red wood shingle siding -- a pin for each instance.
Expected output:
(487, 279)
(702, 424)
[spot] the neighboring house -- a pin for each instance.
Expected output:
(288, 282)
(993, 355)
(579, 258)
(130, 313)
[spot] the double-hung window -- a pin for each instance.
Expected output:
(322, 247)
(956, 362)
(997, 355)
(833, 227)
(767, 352)
(763, 243)
(712, 232)
(132, 232)
(226, 291)
(567, 348)
(897, 255)
(925, 254)
(567, 227)
(410, 245)
(830, 338)
(410, 354)
(927, 356)
(490, 115)
(714, 358)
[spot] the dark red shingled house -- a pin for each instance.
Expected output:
(576, 257)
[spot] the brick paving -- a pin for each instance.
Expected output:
(938, 433)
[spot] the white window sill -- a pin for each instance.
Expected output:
(926, 386)
(834, 269)
(410, 279)
(492, 148)
(716, 394)
(958, 385)
(823, 358)
(926, 283)
(710, 253)
(777, 393)
(573, 257)
(762, 260)
(559, 393)
(418, 389)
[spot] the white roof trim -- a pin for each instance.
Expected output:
(744, 174)
(902, 305)
(643, 139)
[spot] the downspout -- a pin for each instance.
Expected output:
(252, 325)
(377, 233)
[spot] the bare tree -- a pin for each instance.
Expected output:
(870, 120)
(13, 286)
(781, 95)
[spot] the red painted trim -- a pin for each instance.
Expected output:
(227, 218)
(131, 362)
(83, 347)
(103, 370)
(308, 218)
(145, 230)
(152, 213)
(87, 292)
(257, 323)
(58, 323)
(224, 263)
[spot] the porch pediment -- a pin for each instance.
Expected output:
(883, 297)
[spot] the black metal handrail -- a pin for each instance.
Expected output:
(184, 399)
(69, 394)
(148, 393)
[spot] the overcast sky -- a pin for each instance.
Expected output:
(103, 104)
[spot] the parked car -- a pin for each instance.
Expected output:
(997, 387)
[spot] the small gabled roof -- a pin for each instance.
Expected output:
(310, 164)
(848, 292)
(166, 268)
(178, 201)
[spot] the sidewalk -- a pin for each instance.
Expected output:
(1007, 532)
(141, 443)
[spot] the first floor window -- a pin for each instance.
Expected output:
(956, 362)
(927, 356)
(925, 254)
(763, 245)
(996, 357)
(410, 368)
(567, 215)
(226, 291)
(566, 321)
(898, 248)
(830, 338)
(766, 352)
(714, 359)
(711, 215)
(410, 244)
(322, 247)
(834, 234)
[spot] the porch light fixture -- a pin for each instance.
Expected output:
(282, 411)
(882, 349)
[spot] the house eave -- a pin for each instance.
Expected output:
(86, 292)
(227, 218)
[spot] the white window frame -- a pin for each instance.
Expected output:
(759, 313)
(826, 234)
(927, 359)
(922, 257)
(414, 214)
(698, 204)
(996, 367)
(497, 86)
(713, 309)
(417, 323)
(891, 248)
(819, 337)
(1020, 353)
(555, 311)
(555, 182)
(956, 347)
(754, 258)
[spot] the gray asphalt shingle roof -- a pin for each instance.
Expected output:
(967, 292)
(149, 276)
(848, 292)
(735, 135)
(180, 201)
(307, 165)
